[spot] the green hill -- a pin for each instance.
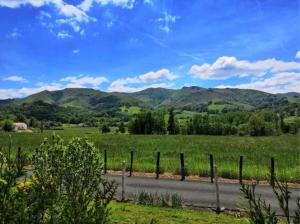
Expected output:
(187, 98)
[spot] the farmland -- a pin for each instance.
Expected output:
(225, 149)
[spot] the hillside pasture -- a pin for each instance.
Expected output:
(226, 150)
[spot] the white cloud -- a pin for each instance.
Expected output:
(75, 51)
(15, 33)
(122, 85)
(297, 54)
(123, 88)
(25, 91)
(73, 15)
(15, 78)
(63, 35)
(166, 20)
(226, 67)
(278, 83)
(18, 3)
(83, 81)
(86, 5)
(45, 14)
(67, 82)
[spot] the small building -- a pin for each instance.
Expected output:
(82, 125)
(20, 126)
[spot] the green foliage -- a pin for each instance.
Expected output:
(33, 122)
(162, 200)
(8, 125)
(256, 125)
(172, 126)
(105, 128)
(121, 127)
(225, 149)
(260, 212)
(67, 186)
(147, 123)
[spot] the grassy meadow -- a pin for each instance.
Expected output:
(127, 213)
(226, 150)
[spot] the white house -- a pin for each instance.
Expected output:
(20, 126)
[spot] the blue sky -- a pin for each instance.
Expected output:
(130, 45)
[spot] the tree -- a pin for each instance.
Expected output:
(33, 122)
(121, 127)
(256, 125)
(172, 129)
(159, 126)
(8, 125)
(105, 128)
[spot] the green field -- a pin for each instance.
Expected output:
(127, 213)
(226, 150)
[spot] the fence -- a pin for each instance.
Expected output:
(183, 170)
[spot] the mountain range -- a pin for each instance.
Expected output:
(187, 98)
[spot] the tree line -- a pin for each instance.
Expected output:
(234, 123)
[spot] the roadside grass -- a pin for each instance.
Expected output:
(128, 213)
(226, 150)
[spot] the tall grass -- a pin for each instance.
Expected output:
(226, 150)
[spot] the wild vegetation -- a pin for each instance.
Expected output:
(226, 150)
(259, 211)
(66, 187)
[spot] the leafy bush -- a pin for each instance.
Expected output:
(105, 128)
(154, 199)
(67, 186)
(260, 212)
(8, 125)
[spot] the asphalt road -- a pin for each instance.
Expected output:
(199, 193)
(196, 193)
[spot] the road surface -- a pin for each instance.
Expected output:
(198, 193)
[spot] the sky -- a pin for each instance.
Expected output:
(131, 45)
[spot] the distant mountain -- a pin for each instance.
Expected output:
(81, 98)
(187, 98)
(193, 98)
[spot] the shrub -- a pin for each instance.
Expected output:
(67, 186)
(8, 125)
(154, 199)
(260, 212)
(105, 128)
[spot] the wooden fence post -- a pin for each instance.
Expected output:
(211, 160)
(272, 172)
(218, 208)
(123, 181)
(131, 163)
(241, 170)
(157, 165)
(105, 161)
(182, 166)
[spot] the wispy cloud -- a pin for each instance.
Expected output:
(154, 79)
(297, 54)
(15, 33)
(15, 78)
(73, 15)
(75, 51)
(64, 35)
(83, 81)
(166, 20)
(149, 2)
